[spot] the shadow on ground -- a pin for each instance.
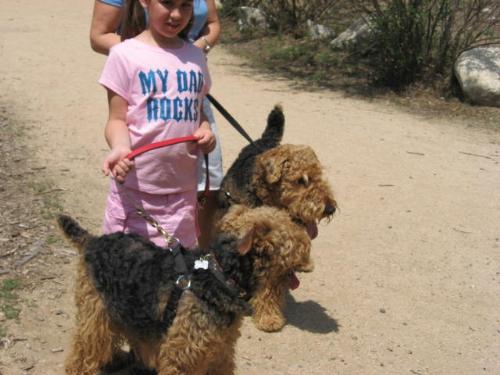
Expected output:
(309, 316)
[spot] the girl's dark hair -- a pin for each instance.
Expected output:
(134, 21)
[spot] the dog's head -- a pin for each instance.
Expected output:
(291, 178)
(278, 247)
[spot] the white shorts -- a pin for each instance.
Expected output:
(214, 158)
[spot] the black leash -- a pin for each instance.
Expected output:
(230, 119)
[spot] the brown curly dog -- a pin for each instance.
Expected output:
(179, 310)
(288, 177)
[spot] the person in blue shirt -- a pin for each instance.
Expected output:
(204, 33)
(106, 20)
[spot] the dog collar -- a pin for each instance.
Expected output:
(209, 262)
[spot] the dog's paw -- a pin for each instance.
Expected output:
(270, 323)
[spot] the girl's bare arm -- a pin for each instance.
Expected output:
(117, 136)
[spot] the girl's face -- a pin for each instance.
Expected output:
(167, 18)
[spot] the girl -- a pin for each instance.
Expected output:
(156, 83)
(204, 34)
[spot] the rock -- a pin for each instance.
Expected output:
(317, 31)
(251, 19)
(478, 73)
(355, 36)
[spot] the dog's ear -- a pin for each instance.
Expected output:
(273, 172)
(245, 243)
(271, 166)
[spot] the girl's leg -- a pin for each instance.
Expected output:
(206, 218)
(206, 214)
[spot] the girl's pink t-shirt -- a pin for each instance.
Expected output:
(164, 89)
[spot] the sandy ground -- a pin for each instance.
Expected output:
(407, 277)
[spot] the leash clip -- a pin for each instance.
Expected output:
(172, 241)
(183, 282)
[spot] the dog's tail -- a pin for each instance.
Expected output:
(275, 126)
(73, 231)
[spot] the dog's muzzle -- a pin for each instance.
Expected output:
(330, 210)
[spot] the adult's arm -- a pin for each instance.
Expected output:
(211, 32)
(106, 20)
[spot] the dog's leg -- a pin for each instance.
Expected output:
(195, 343)
(267, 307)
(178, 357)
(223, 363)
(193, 360)
(95, 341)
(181, 352)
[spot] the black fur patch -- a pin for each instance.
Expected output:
(241, 170)
(130, 273)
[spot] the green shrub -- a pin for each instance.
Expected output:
(399, 36)
(420, 39)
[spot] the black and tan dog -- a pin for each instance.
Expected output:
(180, 311)
(285, 176)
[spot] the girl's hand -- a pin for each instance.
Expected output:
(116, 164)
(118, 138)
(206, 139)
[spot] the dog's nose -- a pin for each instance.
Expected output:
(330, 209)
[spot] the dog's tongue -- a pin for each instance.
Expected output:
(293, 281)
(312, 230)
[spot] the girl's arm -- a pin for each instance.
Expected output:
(211, 32)
(117, 136)
(105, 22)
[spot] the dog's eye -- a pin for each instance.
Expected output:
(304, 180)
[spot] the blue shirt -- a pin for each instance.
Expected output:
(116, 3)
(200, 15)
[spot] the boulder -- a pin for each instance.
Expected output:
(478, 72)
(356, 35)
(251, 19)
(317, 31)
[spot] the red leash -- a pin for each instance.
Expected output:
(169, 239)
(170, 142)
(152, 146)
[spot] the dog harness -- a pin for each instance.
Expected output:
(183, 281)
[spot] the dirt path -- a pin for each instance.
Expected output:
(407, 277)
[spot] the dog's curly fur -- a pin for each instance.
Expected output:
(287, 239)
(124, 283)
(288, 177)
